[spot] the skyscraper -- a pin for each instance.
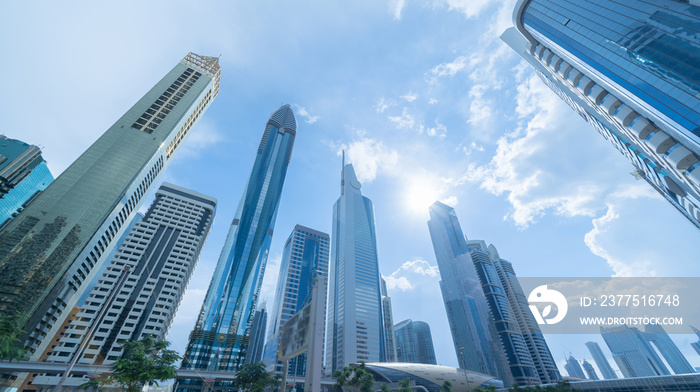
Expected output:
(306, 256)
(590, 372)
(630, 69)
(601, 361)
(222, 333)
(545, 366)
(414, 342)
(55, 246)
(147, 279)
(673, 356)
(23, 174)
(355, 324)
(476, 341)
(696, 345)
(257, 335)
(574, 368)
(632, 352)
(388, 324)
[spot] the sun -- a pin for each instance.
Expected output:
(421, 194)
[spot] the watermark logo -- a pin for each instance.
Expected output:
(543, 295)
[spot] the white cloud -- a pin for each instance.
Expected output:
(384, 104)
(404, 121)
(369, 157)
(439, 130)
(399, 280)
(410, 97)
(200, 138)
(396, 6)
(470, 8)
(432, 101)
(447, 69)
(305, 113)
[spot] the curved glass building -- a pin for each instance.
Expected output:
(631, 69)
(222, 333)
(431, 377)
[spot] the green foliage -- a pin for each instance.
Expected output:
(143, 362)
(354, 379)
(10, 330)
(252, 377)
(385, 388)
(561, 386)
(447, 386)
(405, 385)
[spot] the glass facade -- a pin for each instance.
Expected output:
(414, 342)
(23, 174)
(673, 356)
(306, 256)
(600, 360)
(631, 67)
(632, 352)
(474, 334)
(222, 333)
(54, 247)
(355, 322)
(574, 368)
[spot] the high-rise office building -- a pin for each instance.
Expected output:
(306, 256)
(574, 368)
(545, 366)
(601, 361)
(23, 174)
(414, 342)
(388, 324)
(143, 285)
(630, 69)
(355, 322)
(222, 332)
(257, 336)
(696, 345)
(476, 341)
(632, 352)
(54, 247)
(590, 372)
(673, 356)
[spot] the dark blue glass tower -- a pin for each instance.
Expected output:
(630, 68)
(221, 336)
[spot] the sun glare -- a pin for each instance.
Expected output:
(420, 195)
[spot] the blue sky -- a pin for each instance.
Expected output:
(426, 100)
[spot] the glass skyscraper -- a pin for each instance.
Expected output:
(23, 175)
(632, 352)
(476, 341)
(515, 336)
(414, 342)
(630, 68)
(601, 361)
(222, 333)
(574, 368)
(306, 257)
(54, 247)
(673, 356)
(590, 372)
(388, 323)
(355, 323)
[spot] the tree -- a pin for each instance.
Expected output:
(385, 388)
(405, 385)
(252, 377)
(447, 386)
(144, 361)
(354, 379)
(10, 330)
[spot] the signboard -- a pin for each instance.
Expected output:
(294, 339)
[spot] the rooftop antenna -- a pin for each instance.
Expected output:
(342, 175)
